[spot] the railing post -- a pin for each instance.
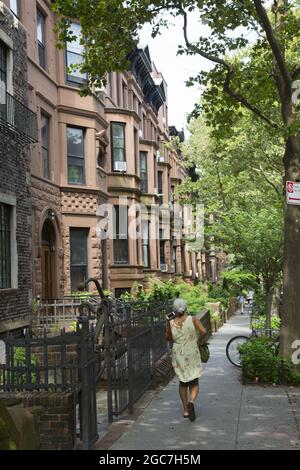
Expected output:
(129, 359)
(107, 353)
(84, 398)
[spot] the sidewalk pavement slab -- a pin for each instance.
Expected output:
(229, 414)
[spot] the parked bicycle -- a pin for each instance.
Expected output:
(233, 345)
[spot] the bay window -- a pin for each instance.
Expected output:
(75, 149)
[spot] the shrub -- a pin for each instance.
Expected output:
(260, 323)
(20, 361)
(262, 364)
(259, 359)
(216, 317)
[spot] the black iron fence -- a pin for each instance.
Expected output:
(133, 342)
(18, 116)
(62, 363)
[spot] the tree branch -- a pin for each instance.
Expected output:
(229, 76)
(277, 53)
(270, 182)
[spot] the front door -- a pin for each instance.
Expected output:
(48, 261)
(47, 273)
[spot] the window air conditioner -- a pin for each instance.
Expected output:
(141, 133)
(164, 268)
(119, 166)
(160, 158)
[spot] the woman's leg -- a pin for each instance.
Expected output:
(183, 393)
(194, 390)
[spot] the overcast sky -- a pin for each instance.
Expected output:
(176, 69)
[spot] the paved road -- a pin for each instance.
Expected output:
(229, 415)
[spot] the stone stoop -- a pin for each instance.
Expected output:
(164, 371)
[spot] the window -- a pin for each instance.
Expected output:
(41, 20)
(143, 127)
(155, 172)
(3, 79)
(124, 95)
(5, 246)
(162, 256)
(172, 197)
(118, 146)
(79, 264)
(118, 88)
(136, 150)
(143, 172)
(175, 258)
(15, 7)
(146, 243)
(110, 84)
(75, 138)
(74, 56)
(45, 145)
(160, 187)
(119, 291)
(121, 234)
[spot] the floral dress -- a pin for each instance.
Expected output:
(186, 358)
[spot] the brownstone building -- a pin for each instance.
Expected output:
(91, 152)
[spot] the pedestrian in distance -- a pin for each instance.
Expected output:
(184, 332)
(250, 297)
(241, 304)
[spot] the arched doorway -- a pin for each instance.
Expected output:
(48, 260)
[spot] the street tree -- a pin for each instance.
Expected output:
(242, 192)
(110, 30)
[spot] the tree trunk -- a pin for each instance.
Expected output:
(290, 328)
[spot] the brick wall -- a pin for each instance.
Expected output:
(55, 419)
(15, 181)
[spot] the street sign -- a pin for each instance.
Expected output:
(293, 192)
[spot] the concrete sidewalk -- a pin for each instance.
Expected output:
(229, 415)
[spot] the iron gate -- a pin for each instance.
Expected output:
(133, 342)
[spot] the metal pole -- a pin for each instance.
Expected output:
(107, 356)
(129, 358)
(84, 383)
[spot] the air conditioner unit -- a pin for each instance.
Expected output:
(160, 158)
(119, 166)
(141, 133)
(163, 268)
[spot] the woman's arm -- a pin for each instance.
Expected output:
(168, 332)
(199, 327)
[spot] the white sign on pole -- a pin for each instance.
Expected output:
(293, 192)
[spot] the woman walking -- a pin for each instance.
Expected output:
(184, 332)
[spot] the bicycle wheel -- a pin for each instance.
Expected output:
(232, 351)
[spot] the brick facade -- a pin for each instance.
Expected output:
(15, 304)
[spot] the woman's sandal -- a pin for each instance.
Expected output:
(191, 408)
